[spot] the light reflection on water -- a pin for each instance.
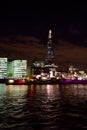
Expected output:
(43, 107)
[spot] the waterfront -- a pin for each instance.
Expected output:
(43, 107)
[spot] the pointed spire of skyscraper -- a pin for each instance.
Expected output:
(50, 34)
(50, 54)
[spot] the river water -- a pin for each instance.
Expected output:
(43, 107)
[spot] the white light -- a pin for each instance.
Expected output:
(38, 76)
(79, 78)
(50, 33)
(11, 81)
(44, 78)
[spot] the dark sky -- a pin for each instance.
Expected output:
(66, 19)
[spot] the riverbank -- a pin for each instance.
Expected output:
(53, 81)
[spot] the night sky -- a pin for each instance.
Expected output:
(68, 20)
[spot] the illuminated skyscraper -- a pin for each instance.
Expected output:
(3, 68)
(50, 53)
(17, 68)
(50, 65)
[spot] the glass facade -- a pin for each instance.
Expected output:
(3, 68)
(17, 69)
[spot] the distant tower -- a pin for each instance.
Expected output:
(50, 53)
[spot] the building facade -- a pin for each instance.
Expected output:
(17, 69)
(50, 54)
(3, 68)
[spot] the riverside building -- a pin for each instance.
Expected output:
(17, 68)
(3, 68)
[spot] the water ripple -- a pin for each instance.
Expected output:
(43, 107)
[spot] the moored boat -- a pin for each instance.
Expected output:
(73, 81)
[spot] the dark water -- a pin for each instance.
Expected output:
(43, 107)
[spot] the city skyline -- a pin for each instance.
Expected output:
(65, 52)
(26, 26)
